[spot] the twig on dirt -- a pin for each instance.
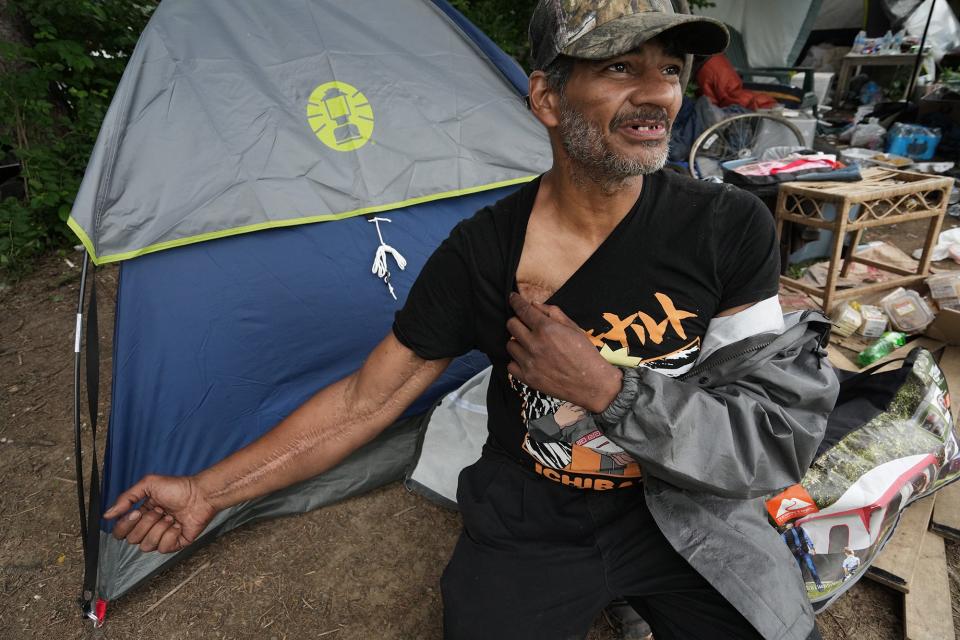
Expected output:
(64, 479)
(17, 328)
(265, 613)
(326, 633)
(39, 443)
(306, 604)
(35, 407)
(176, 588)
(20, 513)
(842, 630)
(407, 510)
(19, 360)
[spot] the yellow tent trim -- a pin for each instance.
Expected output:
(170, 244)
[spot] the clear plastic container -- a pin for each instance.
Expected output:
(874, 321)
(846, 320)
(908, 312)
(944, 285)
(949, 303)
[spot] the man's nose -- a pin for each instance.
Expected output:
(655, 88)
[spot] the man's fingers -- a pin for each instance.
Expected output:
(147, 520)
(126, 524)
(530, 315)
(171, 540)
(514, 370)
(517, 351)
(151, 541)
(556, 313)
(518, 330)
(127, 499)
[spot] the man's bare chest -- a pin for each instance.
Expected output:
(548, 260)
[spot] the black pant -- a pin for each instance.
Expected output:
(540, 560)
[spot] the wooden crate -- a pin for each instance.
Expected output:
(884, 197)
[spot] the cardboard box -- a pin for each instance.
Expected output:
(946, 327)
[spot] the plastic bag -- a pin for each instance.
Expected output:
(944, 34)
(869, 136)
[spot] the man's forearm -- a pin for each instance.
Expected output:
(320, 433)
(311, 440)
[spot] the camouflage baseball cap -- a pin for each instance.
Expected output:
(600, 29)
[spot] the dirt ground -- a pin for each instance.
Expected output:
(365, 568)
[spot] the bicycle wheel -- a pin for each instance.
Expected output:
(738, 138)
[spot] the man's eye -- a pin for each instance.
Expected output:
(672, 70)
(619, 67)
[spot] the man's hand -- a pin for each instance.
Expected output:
(551, 354)
(174, 512)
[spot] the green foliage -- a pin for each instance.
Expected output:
(53, 98)
(505, 21)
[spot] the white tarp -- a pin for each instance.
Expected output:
(770, 29)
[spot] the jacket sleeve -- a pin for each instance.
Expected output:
(742, 438)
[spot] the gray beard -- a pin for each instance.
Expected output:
(584, 143)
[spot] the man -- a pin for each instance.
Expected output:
(635, 264)
(801, 546)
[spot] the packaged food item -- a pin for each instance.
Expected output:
(914, 141)
(846, 320)
(874, 321)
(888, 342)
(944, 285)
(907, 310)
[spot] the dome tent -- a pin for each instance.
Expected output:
(236, 124)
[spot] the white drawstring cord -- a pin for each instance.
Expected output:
(380, 267)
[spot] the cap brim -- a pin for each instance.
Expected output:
(693, 34)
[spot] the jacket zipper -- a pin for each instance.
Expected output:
(710, 365)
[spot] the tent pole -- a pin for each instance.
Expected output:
(78, 453)
(919, 61)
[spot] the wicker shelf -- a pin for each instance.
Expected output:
(883, 197)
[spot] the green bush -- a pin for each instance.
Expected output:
(53, 97)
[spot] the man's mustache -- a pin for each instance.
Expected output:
(656, 115)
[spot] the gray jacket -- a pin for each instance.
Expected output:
(741, 425)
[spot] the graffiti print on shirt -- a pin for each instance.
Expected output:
(564, 437)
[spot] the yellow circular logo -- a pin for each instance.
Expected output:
(340, 115)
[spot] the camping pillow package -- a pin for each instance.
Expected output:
(890, 441)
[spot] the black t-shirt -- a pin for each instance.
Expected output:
(686, 251)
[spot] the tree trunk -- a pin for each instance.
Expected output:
(11, 30)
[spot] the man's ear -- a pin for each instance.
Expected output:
(544, 102)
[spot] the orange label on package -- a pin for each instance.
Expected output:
(791, 504)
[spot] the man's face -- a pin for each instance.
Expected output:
(616, 114)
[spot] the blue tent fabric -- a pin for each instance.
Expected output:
(217, 342)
